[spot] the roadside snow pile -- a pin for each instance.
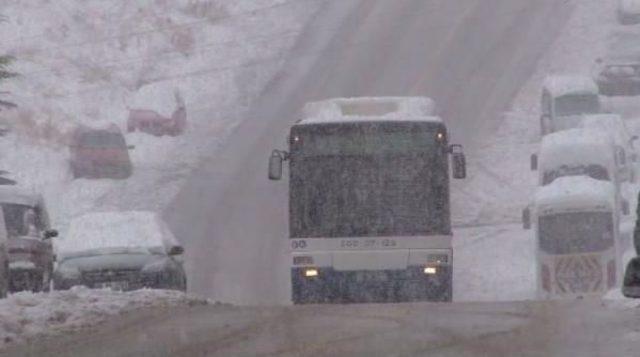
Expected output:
(25, 315)
(86, 62)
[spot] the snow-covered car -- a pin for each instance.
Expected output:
(30, 248)
(120, 250)
(564, 100)
(628, 12)
(4, 259)
(100, 153)
(617, 73)
(151, 122)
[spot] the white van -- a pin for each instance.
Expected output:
(577, 238)
(614, 125)
(564, 100)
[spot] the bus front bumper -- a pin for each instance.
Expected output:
(327, 285)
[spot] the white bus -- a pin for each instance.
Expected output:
(369, 217)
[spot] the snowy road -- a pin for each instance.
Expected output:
(583, 328)
(471, 56)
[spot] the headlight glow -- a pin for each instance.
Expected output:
(310, 273)
(430, 270)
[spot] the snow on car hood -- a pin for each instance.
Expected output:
(114, 258)
(135, 230)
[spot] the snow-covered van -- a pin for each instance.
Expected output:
(30, 247)
(369, 214)
(4, 259)
(615, 126)
(564, 100)
(575, 152)
(576, 233)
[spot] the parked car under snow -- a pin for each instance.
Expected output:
(618, 72)
(151, 122)
(30, 249)
(120, 250)
(100, 153)
(628, 12)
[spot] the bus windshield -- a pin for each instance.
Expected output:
(373, 179)
(576, 232)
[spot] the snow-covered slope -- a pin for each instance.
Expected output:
(89, 61)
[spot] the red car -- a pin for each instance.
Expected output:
(151, 122)
(100, 153)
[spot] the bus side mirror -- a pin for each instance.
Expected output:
(631, 283)
(625, 208)
(526, 218)
(459, 162)
(534, 162)
(275, 165)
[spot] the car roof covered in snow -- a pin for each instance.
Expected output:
(623, 46)
(573, 193)
(561, 85)
(367, 109)
(613, 124)
(576, 146)
(20, 196)
(129, 229)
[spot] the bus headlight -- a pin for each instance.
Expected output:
(430, 270)
(311, 273)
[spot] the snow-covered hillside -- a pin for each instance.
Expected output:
(89, 61)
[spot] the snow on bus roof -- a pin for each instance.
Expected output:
(18, 195)
(132, 229)
(560, 85)
(575, 192)
(576, 146)
(370, 109)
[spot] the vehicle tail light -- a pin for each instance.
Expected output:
(611, 274)
(546, 278)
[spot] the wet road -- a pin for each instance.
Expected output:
(564, 328)
(471, 56)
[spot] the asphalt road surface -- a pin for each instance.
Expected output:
(471, 56)
(563, 328)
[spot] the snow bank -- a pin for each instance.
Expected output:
(135, 229)
(26, 315)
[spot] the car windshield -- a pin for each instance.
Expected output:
(577, 104)
(570, 233)
(100, 139)
(597, 172)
